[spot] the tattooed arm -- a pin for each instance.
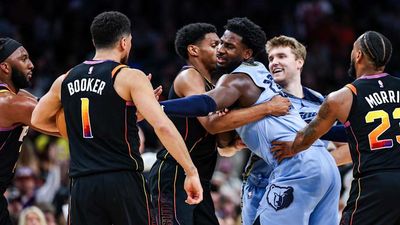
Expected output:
(317, 127)
(335, 107)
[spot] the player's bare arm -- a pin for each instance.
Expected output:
(190, 82)
(17, 109)
(44, 115)
(335, 107)
(133, 85)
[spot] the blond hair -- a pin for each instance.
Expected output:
(298, 49)
(32, 209)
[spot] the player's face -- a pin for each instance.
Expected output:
(21, 68)
(230, 51)
(283, 65)
(208, 50)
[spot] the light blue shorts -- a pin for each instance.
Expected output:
(303, 190)
(253, 191)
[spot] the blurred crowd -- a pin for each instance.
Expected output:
(57, 36)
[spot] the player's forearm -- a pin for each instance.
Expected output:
(173, 142)
(237, 118)
(304, 139)
(43, 122)
(192, 106)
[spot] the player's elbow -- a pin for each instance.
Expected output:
(39, 120)
(36, 119)
(163, 129)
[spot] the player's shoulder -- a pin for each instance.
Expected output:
(337, 97)
(127, 72)
(189, 75)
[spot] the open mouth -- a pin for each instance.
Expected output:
(277, 70)
(220, 60)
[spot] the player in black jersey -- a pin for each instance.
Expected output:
(196, 43)
(100, 98)
(370, 109)
(16, 106)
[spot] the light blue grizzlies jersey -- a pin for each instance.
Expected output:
(308, 108)
(288, 197)
(259, 135)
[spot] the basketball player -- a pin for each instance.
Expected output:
(196, 43)
(370, 109)
(16, 106)
(290, 199)
(286, 58)
(100, 98)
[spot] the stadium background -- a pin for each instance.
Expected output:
(57, 36)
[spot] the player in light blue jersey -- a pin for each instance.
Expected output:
(300, 188)
(286, 59)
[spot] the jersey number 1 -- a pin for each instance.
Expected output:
(86, 127)
(374, 143)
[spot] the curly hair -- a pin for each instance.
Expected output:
(108, 27)
(252, 34)
(377, 47)
(191, 34)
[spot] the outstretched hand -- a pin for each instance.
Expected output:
(282, 150)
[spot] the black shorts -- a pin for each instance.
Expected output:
(374, 200)
(115, 198)
(168, 195)
(4, 216)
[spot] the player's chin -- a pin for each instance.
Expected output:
(278, 77)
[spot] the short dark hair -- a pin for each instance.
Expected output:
(377, 47)
(108, 27)
(252, 34)
(191, 34)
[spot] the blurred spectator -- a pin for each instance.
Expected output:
(49, 213)
(25, 182)
(32, 216)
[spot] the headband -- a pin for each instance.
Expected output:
(9, 46)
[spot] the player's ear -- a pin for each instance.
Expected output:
(123, 42)
(300, 63)
(248, 53)
(5, 67)
(193, 50)
(359, 55)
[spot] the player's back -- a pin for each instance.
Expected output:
(101, 126)
(373, 125)
(259, 135)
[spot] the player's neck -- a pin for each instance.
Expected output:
(202, 69)
(368, 72)
(295, 88)
(107, 54)
(9, 86)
